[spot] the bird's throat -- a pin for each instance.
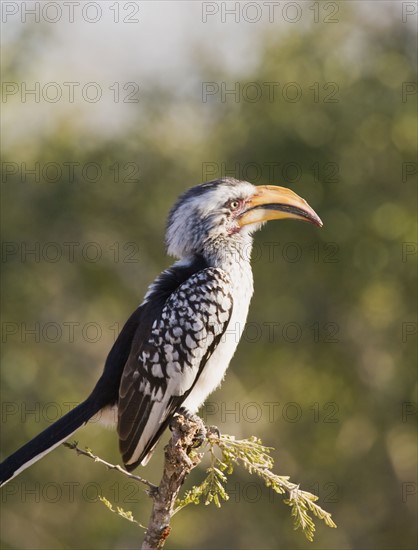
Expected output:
(232, 253)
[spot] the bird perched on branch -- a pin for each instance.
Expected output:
(175, 348)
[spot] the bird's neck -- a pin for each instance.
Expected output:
(228, 254)
(234, 257)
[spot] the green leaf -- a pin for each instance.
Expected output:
(254, 457)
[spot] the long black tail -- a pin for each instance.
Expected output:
(47, 440)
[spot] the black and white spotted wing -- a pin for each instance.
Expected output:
(162, 370)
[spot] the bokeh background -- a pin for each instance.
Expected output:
(133, 102)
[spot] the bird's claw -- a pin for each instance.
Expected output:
(199, 437)
(201, 432)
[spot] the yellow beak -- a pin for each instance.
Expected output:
(276, 203)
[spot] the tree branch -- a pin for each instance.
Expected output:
(110, 466)
(181, 459)
(177, 466)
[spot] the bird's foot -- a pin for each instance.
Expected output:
(201, 431)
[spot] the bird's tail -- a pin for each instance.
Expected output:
(47, 440)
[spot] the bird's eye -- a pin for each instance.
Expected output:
(233, 205)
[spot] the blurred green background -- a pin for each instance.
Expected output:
(324, 103)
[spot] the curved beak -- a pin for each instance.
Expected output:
(276, 203)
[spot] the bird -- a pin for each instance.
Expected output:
(175, 348)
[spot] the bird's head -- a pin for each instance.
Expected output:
(227, 211)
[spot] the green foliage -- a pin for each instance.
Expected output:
(256, 459)
(120, 511)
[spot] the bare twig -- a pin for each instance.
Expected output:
(110, 466)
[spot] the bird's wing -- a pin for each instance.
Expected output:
(163, 368)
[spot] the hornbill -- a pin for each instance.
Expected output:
(175, 348)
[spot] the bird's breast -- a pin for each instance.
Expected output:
(215, 368)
